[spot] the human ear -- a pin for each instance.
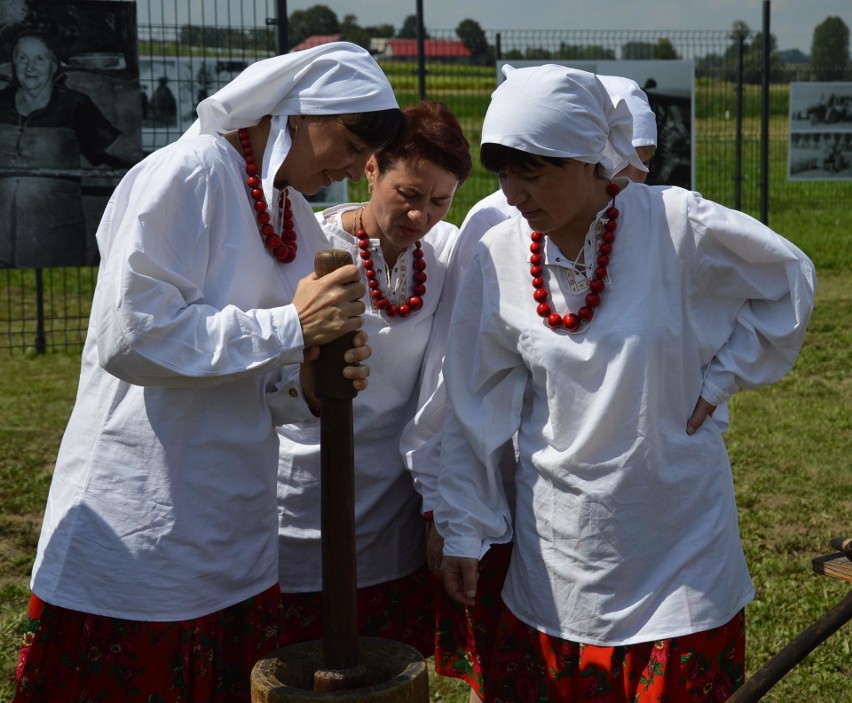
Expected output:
(372, 171)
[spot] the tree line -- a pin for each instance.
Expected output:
(829, 58)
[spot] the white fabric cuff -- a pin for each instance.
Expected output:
(287, 402)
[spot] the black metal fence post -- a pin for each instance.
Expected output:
(421, 52)
(282, 26)
(764, 119)
(280, 21)
(738, 143)
(40, 338)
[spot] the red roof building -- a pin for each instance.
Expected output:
(316, 40)
(439, 50)
(448, 50)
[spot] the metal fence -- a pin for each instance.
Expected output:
(47, 309)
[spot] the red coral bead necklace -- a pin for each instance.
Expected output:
(282, 246)
(379, 298)
(575, 322)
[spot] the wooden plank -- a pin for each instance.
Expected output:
(835, 565)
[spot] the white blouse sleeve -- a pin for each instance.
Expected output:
(153, 323)
(485, 379)
(769, 283)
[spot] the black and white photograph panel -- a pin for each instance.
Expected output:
(69, 125)
(821, 156)
(820, 147)
(171, 88)
(820, 106)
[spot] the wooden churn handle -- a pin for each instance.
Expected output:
(342, 669)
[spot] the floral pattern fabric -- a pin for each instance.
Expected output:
(530, 667)
(465, 636)
(400, 610)
(72, 656)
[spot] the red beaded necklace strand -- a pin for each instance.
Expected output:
(380, 300)
(572, 322)
(283, 247)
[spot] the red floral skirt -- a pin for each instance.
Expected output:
(67, 655)
(400, 610)
(465, 636)
(530, 666)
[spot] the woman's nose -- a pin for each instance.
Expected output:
(514, 194)
(417, 216)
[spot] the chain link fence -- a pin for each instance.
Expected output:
(47, 309)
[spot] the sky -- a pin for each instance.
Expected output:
(791, 21)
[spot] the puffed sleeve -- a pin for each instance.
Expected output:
(484, 380)
(153, 324)
(767, 283)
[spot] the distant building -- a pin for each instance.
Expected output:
(792, 56)
(437, 50)
(316, 40)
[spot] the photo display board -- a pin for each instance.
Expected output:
(820, 132)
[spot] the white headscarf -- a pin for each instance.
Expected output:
(331, 79)
(644, 119)
(563, 112)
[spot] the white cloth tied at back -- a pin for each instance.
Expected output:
(644, 119)
(561, 112)
(336, 78)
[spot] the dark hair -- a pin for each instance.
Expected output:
(377, 128)
(497, 157)
(433, 134)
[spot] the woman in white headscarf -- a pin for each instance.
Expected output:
(493, 208)
(465, 635)
(156, 571)
(644, 137)
(404, 249)
(601, 328)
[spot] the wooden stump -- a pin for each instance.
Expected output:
(395, 673)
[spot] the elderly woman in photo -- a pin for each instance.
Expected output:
(404, 250)
(44, 125)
